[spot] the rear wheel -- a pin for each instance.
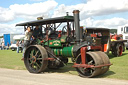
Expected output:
(118, 50)
(123, 45)
(34, 59)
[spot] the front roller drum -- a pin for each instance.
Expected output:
(34, 59)
(94, 66)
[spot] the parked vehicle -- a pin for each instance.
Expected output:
(13, 47)
(102, 36)
(117, 44)
(16, 38)
(124, 31)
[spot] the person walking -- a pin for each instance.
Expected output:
(3, 46)
(22, 45)
(27, 38)
(8, 45)
(17, 44)
(0, 46)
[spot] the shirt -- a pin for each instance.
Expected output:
(27, 35)
(37, 32)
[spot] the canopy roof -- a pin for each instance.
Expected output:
(96, 28)
(102, 31)
(47, 21)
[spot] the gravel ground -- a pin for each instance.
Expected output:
(23, 77)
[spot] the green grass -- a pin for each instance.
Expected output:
(11, 59)
(119, 69)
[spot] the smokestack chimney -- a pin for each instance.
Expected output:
(77, 25)
(39, 18)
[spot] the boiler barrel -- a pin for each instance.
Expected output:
(66, 51)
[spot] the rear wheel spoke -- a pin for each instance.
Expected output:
(32, 53)
(38, 65)
(39, 58)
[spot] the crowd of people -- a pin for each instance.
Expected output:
(3, 47)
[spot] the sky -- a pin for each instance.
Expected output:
(93, 13)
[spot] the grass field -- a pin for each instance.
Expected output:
(119, 69)
(11, 59)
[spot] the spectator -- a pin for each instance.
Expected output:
(3, 45)
(11, 43)
(8, 45)
(17, 44)
(21, 45)
(0, 46)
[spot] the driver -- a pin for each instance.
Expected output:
(37, 32)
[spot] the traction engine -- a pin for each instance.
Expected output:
(85, 49)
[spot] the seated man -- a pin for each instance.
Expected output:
(50, 33)
(37, 32)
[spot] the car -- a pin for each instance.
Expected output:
(13, 47)
(16, 38)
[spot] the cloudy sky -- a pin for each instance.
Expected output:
(93, 13)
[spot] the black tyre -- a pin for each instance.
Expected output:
(34, 59)
(119, 49)
(123, 45)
